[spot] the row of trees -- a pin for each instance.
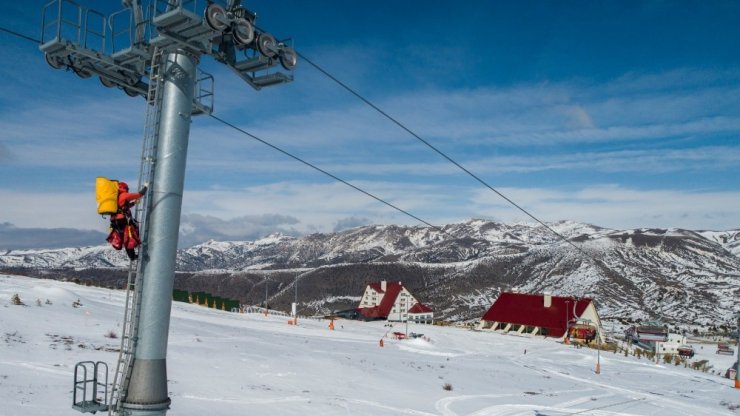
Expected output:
(205, 299)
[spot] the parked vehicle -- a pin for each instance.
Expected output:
(732, 371)
(724, 349)
(686, 351)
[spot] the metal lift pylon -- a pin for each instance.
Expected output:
(163, 43)
(134, 285)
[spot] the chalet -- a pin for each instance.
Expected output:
(393, 302)
(543, 314)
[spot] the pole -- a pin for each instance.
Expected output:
(737, 366)
(265, 295)
(598, 350)
(147, 392)
(407, 317)
(567, 308)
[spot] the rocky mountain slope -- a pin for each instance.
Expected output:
(672, 274)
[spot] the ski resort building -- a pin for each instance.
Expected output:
(543, 314)
(393, 302)
(655, 337)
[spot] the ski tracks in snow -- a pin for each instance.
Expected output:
(664, 403)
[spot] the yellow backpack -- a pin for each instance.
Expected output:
(106, 194)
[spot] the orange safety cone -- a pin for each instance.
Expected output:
(381, 343)
(737, 384)
(331, 325)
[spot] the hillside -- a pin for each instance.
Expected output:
(680, 276)
(222, 363)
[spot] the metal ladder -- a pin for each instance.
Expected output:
(135, 272)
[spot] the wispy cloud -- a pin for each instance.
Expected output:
(297, 208)
(619, 207)
(15, 238)
(57, 135)
(29, 209)
(196, 228)
(710, 158)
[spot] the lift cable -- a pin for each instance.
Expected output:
(287, 154)
(411, 132)
(20, 35)
(392, 119)
(311, 165)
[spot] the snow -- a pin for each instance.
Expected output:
(225, 363)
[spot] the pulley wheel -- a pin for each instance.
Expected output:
(267, 45)
(107, 82)
(288, 58)
(54, 61)
(81, 72)
(243, 32)
(214, 13)
(131, 80)
(130, 92)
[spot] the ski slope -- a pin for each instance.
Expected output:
(248, 364)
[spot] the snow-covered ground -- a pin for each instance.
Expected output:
(224, 363)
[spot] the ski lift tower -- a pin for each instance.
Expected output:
(152, 50)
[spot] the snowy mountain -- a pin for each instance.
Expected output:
(672, 274)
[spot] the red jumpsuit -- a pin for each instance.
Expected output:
(123, 223)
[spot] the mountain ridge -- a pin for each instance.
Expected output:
(673, 274)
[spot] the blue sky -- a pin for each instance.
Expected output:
(621, 114)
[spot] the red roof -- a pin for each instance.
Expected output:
(392, 289)
(529, 309)
(420, 308)
(376, 287)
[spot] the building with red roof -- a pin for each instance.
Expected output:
(543, 314)
(393, 302)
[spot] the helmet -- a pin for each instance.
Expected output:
(122, 187)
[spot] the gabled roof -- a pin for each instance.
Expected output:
(376, 287)
(392, 289)
(529, 309)
(420, 308)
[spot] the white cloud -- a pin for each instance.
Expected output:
(640, 123)
(619, 207)
(196, 228)
(51, 210)
(89, 133)
(297, 208)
